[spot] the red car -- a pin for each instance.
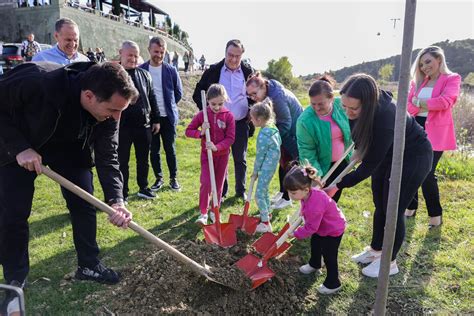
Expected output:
(10, 57)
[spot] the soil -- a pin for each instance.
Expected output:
(160, 284)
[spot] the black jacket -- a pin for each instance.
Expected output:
(33, 97)
(380, 150)
(145, 110)
(212, 75)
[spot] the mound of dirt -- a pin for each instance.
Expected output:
(160, 284)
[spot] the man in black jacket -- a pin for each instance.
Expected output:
(66, 118)
(139, 121)
(232, 74)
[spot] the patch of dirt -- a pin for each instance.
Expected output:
(160, 284)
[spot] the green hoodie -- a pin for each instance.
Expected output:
(314, 137)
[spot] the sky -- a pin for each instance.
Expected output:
(315, 35)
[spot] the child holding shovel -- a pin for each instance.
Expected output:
(222, 130)
(266, 161)
(323, 221)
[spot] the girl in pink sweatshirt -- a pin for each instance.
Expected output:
(222, 130)
(323, 221)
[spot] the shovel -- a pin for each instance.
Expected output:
(271, 246)
(246, 223)
(217, 233)
(193, 265)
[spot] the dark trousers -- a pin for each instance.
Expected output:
(140, 137)
(430, 185)
(415, 169)
(239, 153)
(285, 160)
(167, 134)
(16, 195)
(334, 175)
(328, 248)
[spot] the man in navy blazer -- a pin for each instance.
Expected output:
(168, 90)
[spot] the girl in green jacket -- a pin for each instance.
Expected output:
(322, 131)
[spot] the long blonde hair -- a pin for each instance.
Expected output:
(437, 52)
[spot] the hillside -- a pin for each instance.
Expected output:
(459, 55)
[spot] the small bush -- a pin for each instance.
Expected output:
(455, 166)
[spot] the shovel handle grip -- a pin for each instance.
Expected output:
(196, 267)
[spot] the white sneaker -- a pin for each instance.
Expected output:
(372, 270)
(13, 306)
(276, 197)
(263, 228)
(307, 269)
(324, 290)
(366, 256)
(281, 204)
(212, 216)
(202, 220)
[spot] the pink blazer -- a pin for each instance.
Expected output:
(439, 124)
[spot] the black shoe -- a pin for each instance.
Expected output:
(175, 185)
(146, 193)
(157, 185)
(99, 273)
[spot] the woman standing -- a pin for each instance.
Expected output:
(372, 112)
(323, 131)
(287, 109)
(433, 93)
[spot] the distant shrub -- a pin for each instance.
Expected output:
(463, 115)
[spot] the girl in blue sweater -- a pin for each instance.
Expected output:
(266, 162)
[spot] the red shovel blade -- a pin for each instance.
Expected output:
(220, 234)
(250, 266)
(237, 220)
(247, 225)
(264, 243)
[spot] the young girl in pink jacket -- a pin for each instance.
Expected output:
(433, 94)
(222, 130)
(323, 221)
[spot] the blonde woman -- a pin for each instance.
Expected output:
(433, 94)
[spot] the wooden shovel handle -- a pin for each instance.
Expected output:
(209, 155)
(196, 267)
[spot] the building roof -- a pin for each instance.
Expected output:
(143, 6)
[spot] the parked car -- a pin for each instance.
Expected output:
(11, 57)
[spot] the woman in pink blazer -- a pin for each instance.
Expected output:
(433, 93)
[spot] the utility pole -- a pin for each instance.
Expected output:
(395, 21)
(397, 159)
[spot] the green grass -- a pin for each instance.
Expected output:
(436, 266)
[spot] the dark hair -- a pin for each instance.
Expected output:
(158, 41)
(235, 43)
(257, 79)
(263, 110)
(301, 177)
(216, 90)
(323, 85)
(106, 79)
(64, 21)
(364, 88)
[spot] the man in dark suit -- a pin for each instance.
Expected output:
(232, 74)
(168, 90)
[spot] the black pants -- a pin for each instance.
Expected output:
(140, 137)
(430, 185)
(285, 160)
(239, 153)
(416, 167)
(334, 175)
(167, 134)
(16, 196)
(328, 248)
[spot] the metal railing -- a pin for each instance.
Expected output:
(76, 5)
